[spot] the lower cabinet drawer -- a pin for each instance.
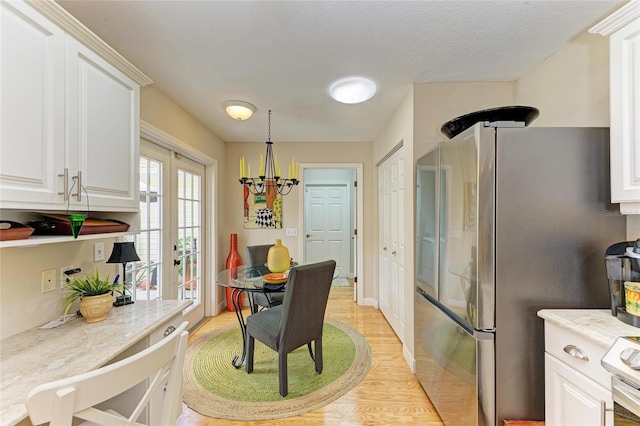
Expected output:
(578, 352)
(165, 329)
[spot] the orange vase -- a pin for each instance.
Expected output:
(233, 261)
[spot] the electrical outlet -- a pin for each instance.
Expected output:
(63, 277)
(49, 280)
(98, 252)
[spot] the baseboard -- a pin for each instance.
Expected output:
(370, 302)
(411, 361)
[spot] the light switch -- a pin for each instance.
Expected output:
(292, 232)
(98, 252)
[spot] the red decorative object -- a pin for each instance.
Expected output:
(233, 260)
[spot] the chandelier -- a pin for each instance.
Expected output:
(269, 179)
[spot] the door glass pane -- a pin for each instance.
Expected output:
(145, 274)
(189, 232)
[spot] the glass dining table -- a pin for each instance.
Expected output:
(246, 279)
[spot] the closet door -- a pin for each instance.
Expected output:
(391, 243)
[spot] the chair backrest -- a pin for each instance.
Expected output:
(304, 304)
(258, 254)
(60, 401)
(257, 257)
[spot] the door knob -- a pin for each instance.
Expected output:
(308, 235)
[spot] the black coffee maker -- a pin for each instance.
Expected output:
(623, 264)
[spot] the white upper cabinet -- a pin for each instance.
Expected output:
(31, 106)
(102, 130)
(623, 29)
(69, 118)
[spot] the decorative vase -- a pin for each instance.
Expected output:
(233, 261)
(76, 221)
(96, 308)
(278, 259)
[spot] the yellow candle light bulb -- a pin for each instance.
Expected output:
(240, 168)
(249, 168)
(261, 166)
(276, 168)
(297, 174)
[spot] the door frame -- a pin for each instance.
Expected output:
(165, 140)
(359, 255)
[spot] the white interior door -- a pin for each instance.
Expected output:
(171, 235)
(391, 243)
(327, 232)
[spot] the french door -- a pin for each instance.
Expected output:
(171, 229)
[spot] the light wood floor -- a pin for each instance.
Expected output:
(389, 394)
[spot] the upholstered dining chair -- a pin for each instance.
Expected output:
(257, 258)
(59, 402)
(299, 320)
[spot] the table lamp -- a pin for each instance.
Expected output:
(123, 252)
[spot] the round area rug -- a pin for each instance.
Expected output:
(214, 388)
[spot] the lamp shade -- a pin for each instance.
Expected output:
(239, 110)
(123, 252)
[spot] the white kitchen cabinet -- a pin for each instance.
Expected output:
(69, 118)
(577, 387)
(102, 131)
(623, 29)
(573, 399)
(32, 106)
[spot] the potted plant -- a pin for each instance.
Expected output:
(95, 295)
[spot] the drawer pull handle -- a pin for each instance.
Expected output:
(576, 352)
(169, 330)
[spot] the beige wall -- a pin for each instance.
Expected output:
(570, 88)
(437, 103)
(22, 304)
(307, 154)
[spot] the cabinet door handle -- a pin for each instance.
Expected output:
(65, 184)
(576, 352)
(603, 413)
(169, 330)
(79, 179)
(393, 252)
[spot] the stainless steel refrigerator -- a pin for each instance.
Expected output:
(508, 221)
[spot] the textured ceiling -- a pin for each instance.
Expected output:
(283, 55)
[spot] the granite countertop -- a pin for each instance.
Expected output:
(597, 325)
(39, 356)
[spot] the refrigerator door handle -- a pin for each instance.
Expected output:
(484, 334)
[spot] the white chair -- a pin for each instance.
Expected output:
(60, 401)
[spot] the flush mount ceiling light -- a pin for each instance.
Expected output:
(352, 90)
(239, 110)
